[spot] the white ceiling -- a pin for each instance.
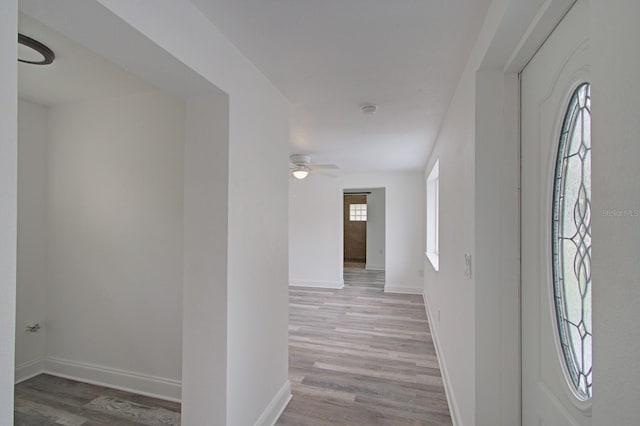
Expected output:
(329, 57)
(77, 74)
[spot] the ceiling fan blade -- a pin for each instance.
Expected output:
(323, 167)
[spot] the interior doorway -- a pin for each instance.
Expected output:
(364, 228)
(355, 230)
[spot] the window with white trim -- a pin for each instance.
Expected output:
(358, 212)
(433, 216)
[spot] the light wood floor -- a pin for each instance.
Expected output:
(359, 356)
(47, 400)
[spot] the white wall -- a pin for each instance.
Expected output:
(616, 293)
(405, 227)
(114, 291)
(375, 229)
(488, 395)
(315, 217)
(316, 227)
(497, 249)
(206, 240)
(31, 286)
(258, 269)
(474, 312)
(172, 37)
(8, 202)
(449, 293)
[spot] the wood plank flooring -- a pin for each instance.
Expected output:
(359, 356)
(47, 400)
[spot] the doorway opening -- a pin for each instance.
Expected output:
(364, 228)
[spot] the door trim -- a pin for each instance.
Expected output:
(565, 85)
(499, 400)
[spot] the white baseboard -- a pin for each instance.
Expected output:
(448, 390)
(157, 387)
(272, 413)
(391, 288)
(317, 284)
(29, 369)
(374, 267)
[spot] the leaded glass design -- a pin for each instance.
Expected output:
(572, 241)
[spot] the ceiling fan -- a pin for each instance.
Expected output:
(300, 166)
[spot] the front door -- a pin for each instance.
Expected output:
(556, 231)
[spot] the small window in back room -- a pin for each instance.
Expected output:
(358, 212)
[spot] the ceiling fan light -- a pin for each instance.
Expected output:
(300, 172)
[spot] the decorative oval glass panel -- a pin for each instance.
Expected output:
(571, 241)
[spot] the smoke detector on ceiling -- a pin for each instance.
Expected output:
(369, 109)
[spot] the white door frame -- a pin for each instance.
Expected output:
(497, 209)
(548, 84)
(345, 189)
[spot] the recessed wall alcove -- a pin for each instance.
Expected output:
(123, 180)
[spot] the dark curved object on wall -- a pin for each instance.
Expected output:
(47, 53)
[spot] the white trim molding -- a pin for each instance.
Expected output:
(156, 387)
(400, 289)
(29, 369)
(272, 413)
(374, 267)
(317, 284)
(448, 389)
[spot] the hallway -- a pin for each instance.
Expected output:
(360, 356)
